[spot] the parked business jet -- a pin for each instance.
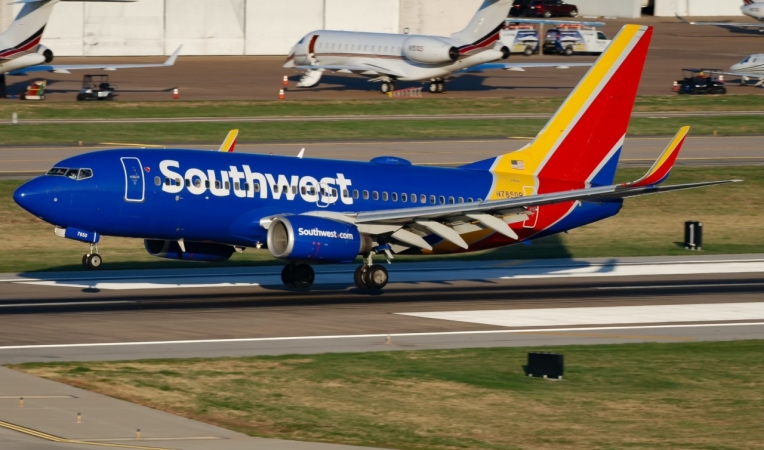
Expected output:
(750, 68)
(21, 52)
(200, 205)
(751, 8)
(387, 58)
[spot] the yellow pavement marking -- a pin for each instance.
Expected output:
(52, 438)
(134, 145)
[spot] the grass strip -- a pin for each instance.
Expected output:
(646, 226)
(383, 106)
(635, 396)
(197, 133)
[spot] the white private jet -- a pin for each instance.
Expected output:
(21, 52)
(387, 58)
(750, 68)
(751, 8)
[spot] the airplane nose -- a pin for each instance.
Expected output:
(20, 196)
(31, 196)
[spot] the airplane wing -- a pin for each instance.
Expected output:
(497, 214)
(520, 67)
(752, 76)
(65, 68)
(366, 69)
(723, 24)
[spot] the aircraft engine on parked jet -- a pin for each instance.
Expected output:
(427, 50)
(194, 251)
(46, 52)
(315, 238)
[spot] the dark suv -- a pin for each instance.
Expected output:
(543, 8)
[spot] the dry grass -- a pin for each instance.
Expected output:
(642, 396)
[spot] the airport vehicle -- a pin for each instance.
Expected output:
(751, 8)
(21, 52)
(550, 8)
(520, 38)
(35, 90)
(388, 58)
(96, 87)
(700, 81)
(751, 68)
(198, 205)
(570, 38)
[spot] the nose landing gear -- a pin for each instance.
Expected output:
(92, 260)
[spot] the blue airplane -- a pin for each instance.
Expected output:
(200, 205)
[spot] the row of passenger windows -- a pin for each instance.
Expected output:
(74, 174)
(367, 195)
(360, 48)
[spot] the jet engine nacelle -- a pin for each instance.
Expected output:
(315, 238)
(427, 50)
(46, 52)
(21, 62)
(195, 251)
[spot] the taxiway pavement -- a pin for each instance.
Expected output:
(637, 152)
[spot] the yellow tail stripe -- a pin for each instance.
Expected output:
(229, 140)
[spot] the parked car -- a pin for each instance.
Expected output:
(519, 7)
(549, 8)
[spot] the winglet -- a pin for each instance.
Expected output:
(230, 142)
(663, 165)
(171, 60)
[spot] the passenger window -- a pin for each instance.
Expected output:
(236, 186)
(375, 195)
(365, 195)
(355, 193)
(469, 199)
(294, 190)
(451, 200)
(188, 182)
(394, 196)
(167, 181)
(217, 184)
(246, 187)
(404, 197)
(384, 196)
(85, 174)
(413, 198)
(442, 200)
(479, 200)
(345, 193)
(157, 181)
(334, 193)
(423, 198)
(198, 182)
(461, 199)
(207, 184)
(432, 199)
(303, 190)
(227, 185)
(256, 187)
(178, 182)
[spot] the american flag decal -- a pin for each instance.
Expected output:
(519, 165)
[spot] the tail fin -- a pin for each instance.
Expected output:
(582, 142)
(25, 31)
(663, 165)
(229, 144)
(485, 25)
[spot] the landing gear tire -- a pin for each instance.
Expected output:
(386, 87)
(441, 87)
(92, 261)
(434, 87)
(300, 276)
(360, 277)
(376, 277)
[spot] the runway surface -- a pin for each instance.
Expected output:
(638, 151)
(207, 313)
(675, 46)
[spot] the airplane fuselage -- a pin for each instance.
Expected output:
(386, 52)
(754, 10)
(753, 64)
(224, 197)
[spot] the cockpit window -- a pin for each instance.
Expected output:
(57, 171)
(74, 174)
(745, 60)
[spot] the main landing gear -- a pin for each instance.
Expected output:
(387, 86)
(92, 260)
(437, 87)
(368, 276)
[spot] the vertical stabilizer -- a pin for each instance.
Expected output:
(486, 23)
(581, 143)
(25, 31)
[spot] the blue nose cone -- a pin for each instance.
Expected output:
(32, 195)
(21, 196)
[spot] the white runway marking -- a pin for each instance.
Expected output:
(125, 286)
(376, 336)
(625, 270)
(550, 317)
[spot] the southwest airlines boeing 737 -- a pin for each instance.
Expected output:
(387, 58)
(199, 205)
